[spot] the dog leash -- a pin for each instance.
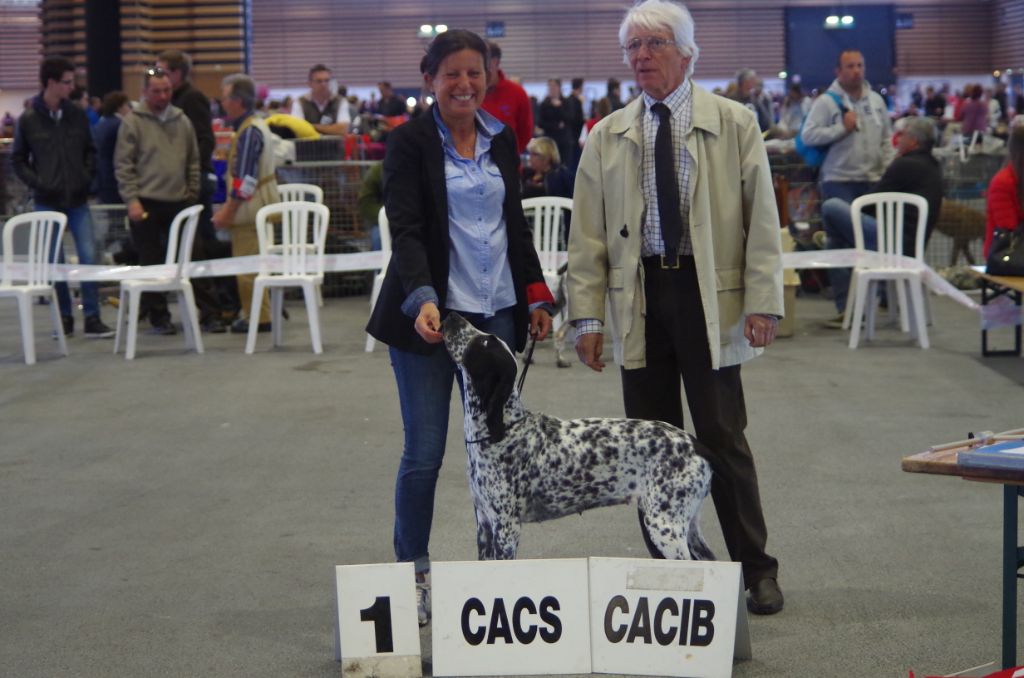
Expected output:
(526, 364)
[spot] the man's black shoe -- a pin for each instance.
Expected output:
(68, 321)
(241, 326)
(765, 597)
(95, 329)
(213, 326)
(164, 327)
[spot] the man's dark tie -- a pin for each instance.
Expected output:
(666, 185)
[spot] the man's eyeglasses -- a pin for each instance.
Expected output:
(652, 44)
(156, 72)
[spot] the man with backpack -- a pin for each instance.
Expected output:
(852, 121)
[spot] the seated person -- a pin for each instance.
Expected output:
(545, 175)
(1005, 198)
(914, 170)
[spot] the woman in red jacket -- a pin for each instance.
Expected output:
(1006, 191)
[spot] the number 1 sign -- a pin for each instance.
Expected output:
(378, 634)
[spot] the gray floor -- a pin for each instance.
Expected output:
(180, 515)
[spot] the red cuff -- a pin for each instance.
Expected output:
(538, 293)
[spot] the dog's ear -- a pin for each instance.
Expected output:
(492, 370)
(499, 389)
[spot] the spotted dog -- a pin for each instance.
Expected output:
(527, 467)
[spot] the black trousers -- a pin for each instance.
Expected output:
(150, 239)
(677, 347)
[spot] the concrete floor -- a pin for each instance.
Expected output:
(181, 515)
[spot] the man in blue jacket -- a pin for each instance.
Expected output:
(55, 156)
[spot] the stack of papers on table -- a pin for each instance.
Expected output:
(1008, 455)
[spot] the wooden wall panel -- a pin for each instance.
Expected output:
(946, 39)
(20, 45)
(1008, 37)
(366, 43)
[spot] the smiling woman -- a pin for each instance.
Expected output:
(459, 243)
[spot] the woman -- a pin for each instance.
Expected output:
(1005, 191)
(460, 243)
(974, 113)
(545, 174)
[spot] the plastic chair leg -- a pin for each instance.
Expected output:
(134, 297)
(190, 317)
(28, 334)
(871, 309)
(917, 297)
(858, 310)
(120, 319)
(254, 315)
(313, 311)
(276, 310)
(58, 326)
(901, 296)
(851, 297)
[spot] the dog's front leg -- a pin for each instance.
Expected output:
(484, 537)
(506, 538)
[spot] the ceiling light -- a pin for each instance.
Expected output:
(832, 20)
(783, 75)
(847, 20)
(441, 28)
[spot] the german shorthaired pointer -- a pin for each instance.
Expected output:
(532, 467)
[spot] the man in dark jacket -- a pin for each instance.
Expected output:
(916, 171)
(195, 105)
(55, 156)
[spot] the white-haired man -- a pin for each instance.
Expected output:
(675, 224)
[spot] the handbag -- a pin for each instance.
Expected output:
(1006, 255)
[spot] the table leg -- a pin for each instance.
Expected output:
(1009, 576)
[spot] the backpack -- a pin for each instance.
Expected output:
(814, 156)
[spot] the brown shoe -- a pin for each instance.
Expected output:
(765, 597)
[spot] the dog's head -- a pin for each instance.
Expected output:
(488, 368)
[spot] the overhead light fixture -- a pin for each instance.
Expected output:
(836, 21)
(831, 21)
(428, 31)
(996, 74)
(783, 75)
(846, 20)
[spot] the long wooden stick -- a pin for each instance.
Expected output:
(982, 438)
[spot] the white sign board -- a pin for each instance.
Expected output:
(378, 632)
(665, 617)
(523, 617)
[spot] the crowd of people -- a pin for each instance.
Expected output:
(675, 228)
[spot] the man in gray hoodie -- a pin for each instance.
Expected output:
(157, 169)
(858, 132)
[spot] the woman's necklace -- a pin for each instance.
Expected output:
(466, 147)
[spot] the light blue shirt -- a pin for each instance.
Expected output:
(479, 274)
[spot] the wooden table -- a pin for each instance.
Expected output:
(944, 462)
(993, 287)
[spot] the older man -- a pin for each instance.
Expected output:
(675, 224)
(915, 171)
(156, 163)
(251, 185)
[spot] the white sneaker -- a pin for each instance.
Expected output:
(423, 600)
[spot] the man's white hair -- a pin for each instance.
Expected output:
(656, 15)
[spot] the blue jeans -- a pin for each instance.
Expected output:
(424, 393)
(844, 190)
(835, 217)
(80, 227)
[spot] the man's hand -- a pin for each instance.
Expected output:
(135, 211)
(223, 217)
(760, 329)
(540, 324)
(589, 347)
(428, 323)
(850, 120)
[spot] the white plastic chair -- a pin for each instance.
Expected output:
(889, 212)
(549, 239)
(303, 227)
(309, 193)
(378, 278)
(295, 192)
(45, 231)
(179, 255)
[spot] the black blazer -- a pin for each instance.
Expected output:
(416, 202)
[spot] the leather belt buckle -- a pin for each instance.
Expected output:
(670, 263)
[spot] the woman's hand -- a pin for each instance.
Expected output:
(540, 324)
(428, 323)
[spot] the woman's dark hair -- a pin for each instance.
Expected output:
(976, 92)
(448, 43)
(1016, 160)
(112, 103)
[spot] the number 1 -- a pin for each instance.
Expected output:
(380, 614)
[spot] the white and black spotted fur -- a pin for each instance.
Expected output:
(526, 467)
